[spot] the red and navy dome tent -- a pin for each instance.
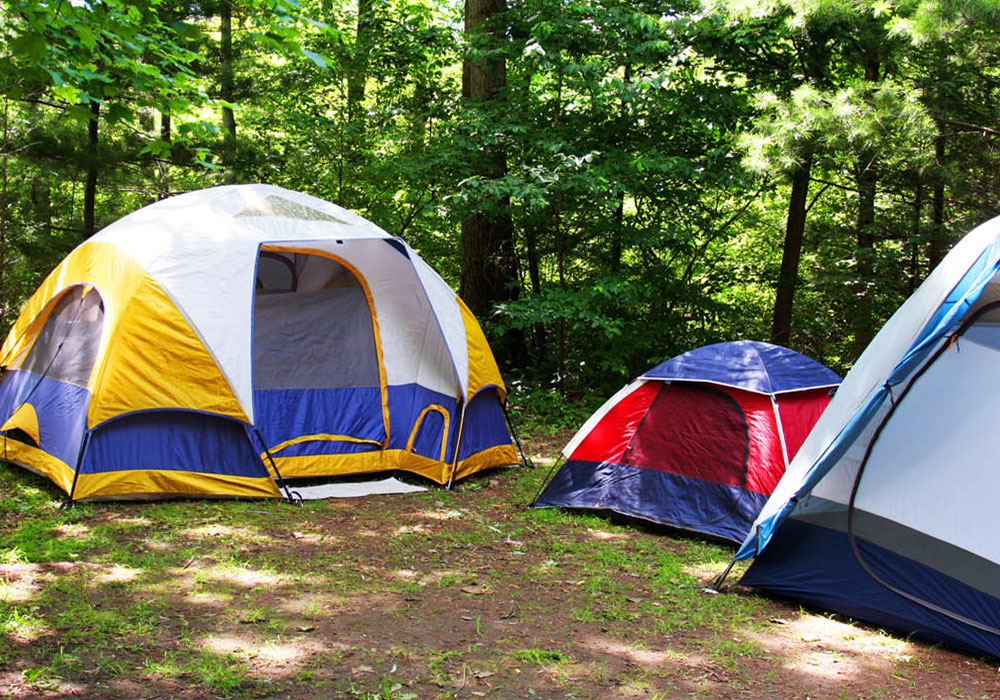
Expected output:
(698, 442)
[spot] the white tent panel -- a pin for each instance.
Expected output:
(448, 318)
(938, 444)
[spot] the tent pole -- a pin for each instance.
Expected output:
(545, 481)
(508, 413)
(293, 499)
(76, 473)
(716, 585)
(781, 430)
(458, 446)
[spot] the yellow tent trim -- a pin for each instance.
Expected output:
(38, 461)
(383, 382)
(483, 369)
(156, 361)
(97, 265)
(382, 460)
(24, 418)
(496, 456)
(420, 419)
(317, 437)
(156, 483)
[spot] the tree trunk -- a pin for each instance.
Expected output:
(795, 225)
(162, 164)
(938, 242)
(489, 263)
(4, 199)
(918, 205)
(864, 311)
(357, 75)
(864, 322)
(226, 85)
(618, 230)
(534, 276)
(90, 188)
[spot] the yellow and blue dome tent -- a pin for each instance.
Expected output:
(219, 342)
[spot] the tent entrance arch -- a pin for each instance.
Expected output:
(429, 436)
(318, 376)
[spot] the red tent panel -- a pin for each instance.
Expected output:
(799, 412)
(612, 434)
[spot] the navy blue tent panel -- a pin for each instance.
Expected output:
(817, 565)
(749, 365)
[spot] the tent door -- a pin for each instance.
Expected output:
(319, 385)
(698, 433)
(429, 436)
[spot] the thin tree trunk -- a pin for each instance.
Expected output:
(618, 231)
(918, 205)
(226, 87)
(867, 180)
(938, 242)
(535, 277)
(4, 199)
(795, 225)
(163, 166)
(357, 75)
(90, 188)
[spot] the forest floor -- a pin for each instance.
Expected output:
(442, 594)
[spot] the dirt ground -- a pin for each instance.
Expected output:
(460, 594)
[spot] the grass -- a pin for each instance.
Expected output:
(433, 595)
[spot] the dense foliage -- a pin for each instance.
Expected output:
(648, 160)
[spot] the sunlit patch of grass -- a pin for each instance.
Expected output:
(220, 673)
(23, 622)
(540, 657)
(732, 653)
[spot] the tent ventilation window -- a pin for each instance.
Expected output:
(67, 345)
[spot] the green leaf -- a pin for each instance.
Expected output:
(315, 58)
(67, 93)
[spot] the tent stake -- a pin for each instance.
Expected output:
(717, 583)
(458, 446)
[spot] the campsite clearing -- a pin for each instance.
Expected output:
(464, 593)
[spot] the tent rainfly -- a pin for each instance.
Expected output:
(218, 342)
(698, 442)
(888, 513)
